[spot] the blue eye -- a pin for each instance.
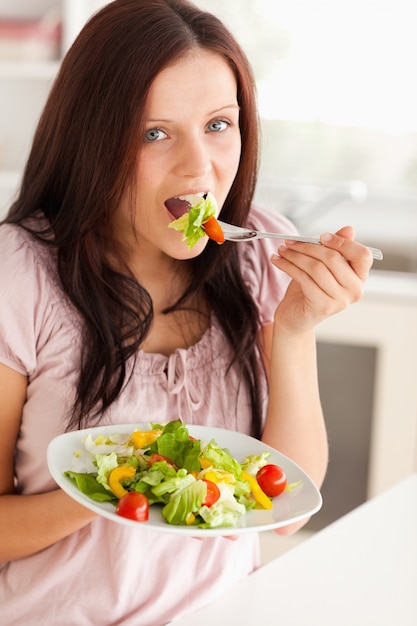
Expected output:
(154, 134)
(218, 125)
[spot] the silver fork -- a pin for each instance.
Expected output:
(237, 233)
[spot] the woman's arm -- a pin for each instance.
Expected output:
(326, 279)
(28, 523)
(295, 424)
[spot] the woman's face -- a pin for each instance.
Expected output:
(191, 144)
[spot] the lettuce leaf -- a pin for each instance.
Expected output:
(190, 223)
(225, 512)
(88, 485)
(105, 464)
(104, 445)
(253, 463)
(221, 459)
(184, 501)
(176, 445)
(161, 480)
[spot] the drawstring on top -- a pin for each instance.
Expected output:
(180, 384)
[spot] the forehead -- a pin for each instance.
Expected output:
(200, 77)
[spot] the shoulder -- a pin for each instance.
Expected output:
(266, 283)
(16, 256)
(28, 296)
(21, 254)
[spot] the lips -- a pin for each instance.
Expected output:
(181, 204)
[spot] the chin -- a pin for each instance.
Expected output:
(183, 253)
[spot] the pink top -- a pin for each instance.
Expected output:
(108, 573)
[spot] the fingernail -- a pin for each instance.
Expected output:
(326, 237)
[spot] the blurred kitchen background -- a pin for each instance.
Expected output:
(338, 106)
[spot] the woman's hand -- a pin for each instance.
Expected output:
(326, 278)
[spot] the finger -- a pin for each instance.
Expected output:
(321, 272)
(348, 232)
(328, 269)
(358, 255)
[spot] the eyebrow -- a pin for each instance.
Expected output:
(227, 106)
(223, 108)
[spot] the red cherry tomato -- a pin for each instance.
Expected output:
(213, 230)
(213, 493)
(154, 458)
(272, 480)
(134, 506)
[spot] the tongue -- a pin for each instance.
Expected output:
(177, 207)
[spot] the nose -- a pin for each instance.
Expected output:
(193, 157)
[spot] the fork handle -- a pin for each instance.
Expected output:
(376, 253)
(260, 235)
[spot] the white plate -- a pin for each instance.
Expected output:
(289, 507)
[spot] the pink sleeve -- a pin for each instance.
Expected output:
(19, 291)
(266, 283)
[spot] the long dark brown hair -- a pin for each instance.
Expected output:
(82, 160)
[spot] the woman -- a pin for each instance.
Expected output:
(108, 317)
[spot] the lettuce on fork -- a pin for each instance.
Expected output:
(201, 209)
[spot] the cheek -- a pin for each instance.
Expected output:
(228, 164)
(148, 182)
(234, 157)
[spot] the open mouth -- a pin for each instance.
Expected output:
(195, 217)
(181, 204)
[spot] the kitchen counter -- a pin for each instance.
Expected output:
(359, 571)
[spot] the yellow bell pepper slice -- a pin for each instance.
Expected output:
(190, 519)
(257, 492)
(117, 475)
(142, 438)
(218, 476)
(205, 463)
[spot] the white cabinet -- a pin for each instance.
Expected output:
(24, 86)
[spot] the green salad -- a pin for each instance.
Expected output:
(193, 482)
